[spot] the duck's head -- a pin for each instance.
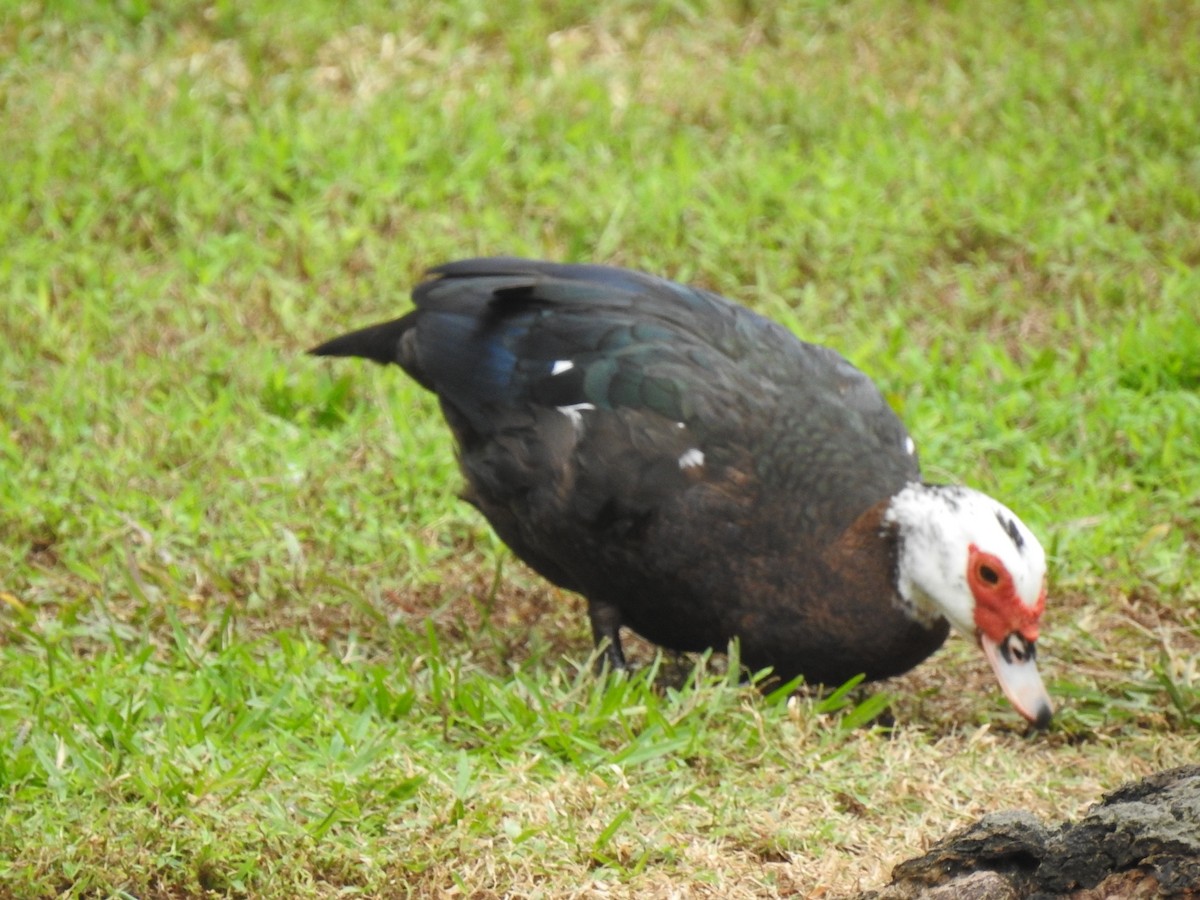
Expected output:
(968, 558)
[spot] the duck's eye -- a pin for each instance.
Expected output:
(988, 574)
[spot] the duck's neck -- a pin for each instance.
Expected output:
(865, 559)
(867, 554)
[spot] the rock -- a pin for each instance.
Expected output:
(1141, 840)
(975, 886)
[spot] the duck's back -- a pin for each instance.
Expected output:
(655, 447)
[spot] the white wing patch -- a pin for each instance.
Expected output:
(691, 459)
(909, 447)
(560, 366)
(575, 412)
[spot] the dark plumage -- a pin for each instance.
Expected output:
(692, 469)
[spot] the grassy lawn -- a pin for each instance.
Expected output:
(252, 644)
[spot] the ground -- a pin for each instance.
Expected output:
(251, 641)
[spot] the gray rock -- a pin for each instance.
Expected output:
(1141, 840)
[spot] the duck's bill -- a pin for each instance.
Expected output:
(1014, 662)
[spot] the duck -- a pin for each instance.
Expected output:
(701, 475)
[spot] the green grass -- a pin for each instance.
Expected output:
(251, 644)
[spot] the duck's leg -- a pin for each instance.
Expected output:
(606, 625)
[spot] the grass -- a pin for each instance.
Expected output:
(251, 644)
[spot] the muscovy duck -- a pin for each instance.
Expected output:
(698, 473)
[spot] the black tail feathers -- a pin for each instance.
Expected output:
(380, 343)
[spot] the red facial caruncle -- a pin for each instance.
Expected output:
(999, 609)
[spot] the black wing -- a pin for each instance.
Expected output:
(588, 400)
